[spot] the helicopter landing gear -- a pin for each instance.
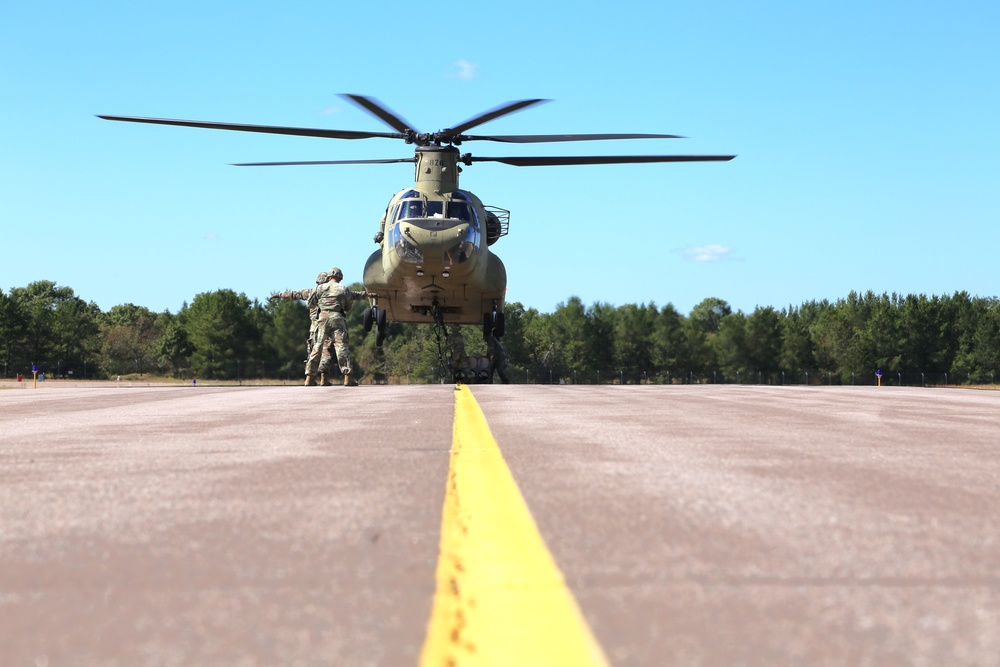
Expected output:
(376, 316)
(493, 325)
(380, 325)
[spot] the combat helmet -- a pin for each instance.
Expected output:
(324, 276)
(336, 274)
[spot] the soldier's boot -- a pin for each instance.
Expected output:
(310, 380)
(349, 381)
(323, 380)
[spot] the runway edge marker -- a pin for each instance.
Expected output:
(500, 598)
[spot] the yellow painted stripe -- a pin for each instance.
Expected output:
(500, 598)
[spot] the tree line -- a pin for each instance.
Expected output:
(224, 335)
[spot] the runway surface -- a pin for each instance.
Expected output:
(693, 525)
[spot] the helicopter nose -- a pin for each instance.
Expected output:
(429, 240)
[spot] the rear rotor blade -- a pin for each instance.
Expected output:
(291, 164)
(264, 129)
(595, 159)
(379, 110)
(546, 138)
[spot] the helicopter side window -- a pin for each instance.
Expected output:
(463, 250)
(406, 250)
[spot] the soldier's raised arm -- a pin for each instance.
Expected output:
(298, 295)
(301, 294)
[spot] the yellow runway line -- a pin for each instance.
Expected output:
(500, 599)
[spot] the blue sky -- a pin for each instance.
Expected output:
(867, 137)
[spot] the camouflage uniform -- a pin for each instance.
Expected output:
(498, 357)
(311, 297)
(334, 301)
(456, 344)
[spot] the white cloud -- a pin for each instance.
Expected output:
(712, 252)
(211, 236)
(465, 70)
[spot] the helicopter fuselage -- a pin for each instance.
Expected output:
(434, 255)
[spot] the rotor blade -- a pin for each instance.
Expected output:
(379, 110)
(264, 129)
(290, 164)
(502, 110)
(544, 138)
(598, 159)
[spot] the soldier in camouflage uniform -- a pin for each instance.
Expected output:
(498, 358)
(335, 301)
(311, 297)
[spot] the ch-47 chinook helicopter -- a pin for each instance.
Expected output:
(434, 264)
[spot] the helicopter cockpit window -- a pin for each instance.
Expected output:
(460, 210)
(435, 209)
(411, 208)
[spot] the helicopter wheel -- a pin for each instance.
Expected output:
(493, 325)
(380, 319)
(368, 319)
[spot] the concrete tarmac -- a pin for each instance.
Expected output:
(695, 525)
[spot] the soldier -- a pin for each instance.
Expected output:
(311, 297)
(459, 362)
(335, 301)
(498, 359)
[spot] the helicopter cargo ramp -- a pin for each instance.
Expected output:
(498, 524)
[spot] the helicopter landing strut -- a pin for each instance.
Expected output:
(375, 316)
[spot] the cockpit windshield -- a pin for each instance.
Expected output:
(411, 208)
(457, 212)
(459, 208)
